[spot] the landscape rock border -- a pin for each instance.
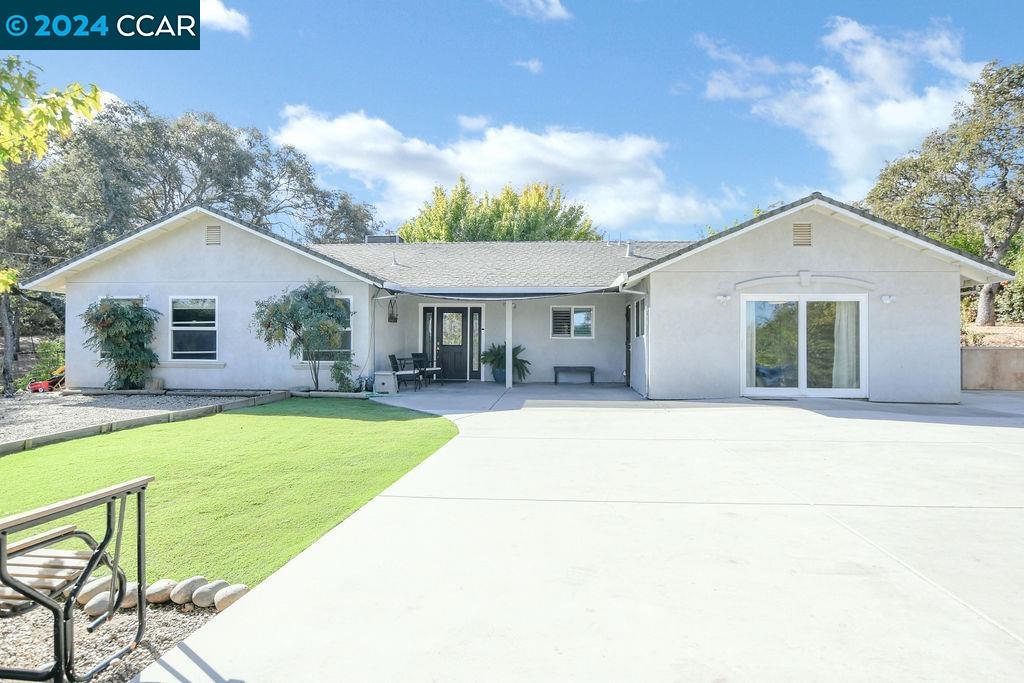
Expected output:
(169, 416)
(219, 594)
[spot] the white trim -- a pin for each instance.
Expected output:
(799, 278)
(166, 224)
(207, 364)
(572, 325)
(427, 291)
(832, 209)
(801, 389)
(171, 328)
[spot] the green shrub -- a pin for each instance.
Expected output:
(1010, 303)
(50, 353)
(341, 373)
(120, 330)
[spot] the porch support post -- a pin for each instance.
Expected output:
(508, 344)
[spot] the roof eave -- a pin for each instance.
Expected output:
(44, 281)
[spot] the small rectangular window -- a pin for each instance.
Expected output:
(639, 313)
(193, 328)
(572, 322)
(346, 338)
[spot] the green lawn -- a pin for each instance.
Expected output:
(237, 494)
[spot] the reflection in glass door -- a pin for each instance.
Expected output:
(773, 340)
(833, 344)
(804, 345)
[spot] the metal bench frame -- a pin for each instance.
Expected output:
(62, 669)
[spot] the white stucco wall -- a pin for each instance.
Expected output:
(913, 349)
(242, 269)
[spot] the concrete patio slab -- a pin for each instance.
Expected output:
(608, 538)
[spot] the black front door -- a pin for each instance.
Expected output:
(451, 339)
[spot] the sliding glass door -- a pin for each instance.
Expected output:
(804, 345)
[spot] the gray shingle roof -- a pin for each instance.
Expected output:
(456, 265)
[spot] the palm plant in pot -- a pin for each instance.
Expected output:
(495, 357)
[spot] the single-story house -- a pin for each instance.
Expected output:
(814, 298)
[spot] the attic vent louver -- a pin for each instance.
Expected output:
(801, 234)
(212, 235)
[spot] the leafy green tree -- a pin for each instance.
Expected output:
(310, 320)
(28, 116)
(965, 185)
(121, 331)
(537, 212)
(130, 166)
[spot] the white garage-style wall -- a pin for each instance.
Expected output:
(243, 268)
(913, 345)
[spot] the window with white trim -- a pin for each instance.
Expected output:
(639, 314)
(345, 347)
(572, 322)
(193, 328)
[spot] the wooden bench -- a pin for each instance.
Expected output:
(34, 574)
(574, 368)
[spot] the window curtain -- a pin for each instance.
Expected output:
(846, 362)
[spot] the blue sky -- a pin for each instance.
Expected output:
(662, 117)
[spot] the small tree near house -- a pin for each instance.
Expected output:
(121, 330)
(310, 320)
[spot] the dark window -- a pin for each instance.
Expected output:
(194, 329)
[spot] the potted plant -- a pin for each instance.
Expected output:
(495, 357)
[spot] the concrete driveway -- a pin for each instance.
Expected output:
(577, 533)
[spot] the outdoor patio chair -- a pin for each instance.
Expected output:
(34, 574)
(404, 376)
(428, 374)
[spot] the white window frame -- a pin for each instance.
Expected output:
(351, 337)
(802, 389)
(640, 315)
(123, 297)
(572, 325)
(171, 328)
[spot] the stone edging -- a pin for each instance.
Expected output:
(329, 394)
(117, 425)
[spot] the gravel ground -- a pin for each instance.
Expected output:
(28, 415)
(26, 641)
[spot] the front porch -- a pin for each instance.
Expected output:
(464, 398)
(589, 329)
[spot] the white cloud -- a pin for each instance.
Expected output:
(216, 15)
(473, 122)
(867, 109)
(538, 10)
(617, 177)
(534, 66)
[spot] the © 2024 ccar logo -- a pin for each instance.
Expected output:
(99, 25)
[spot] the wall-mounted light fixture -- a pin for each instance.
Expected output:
(888, 298)
(723, 298)
(393, 311)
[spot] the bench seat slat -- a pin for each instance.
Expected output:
(62, 573)
(18, 546)
(60, 562)
(41, 585)
(56, 552)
